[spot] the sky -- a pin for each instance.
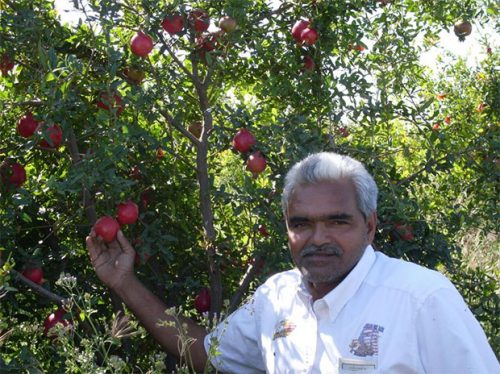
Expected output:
(471, 49)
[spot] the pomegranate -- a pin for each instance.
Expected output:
(106, 227)
(141, 44)
(27, 125)
(263, 231)
(309, 36)
(256, 163)
(6, 63)
(227, 24)
(173, 24)
(134, 75)
(127, 213)
(308, 63)
(107, 103)
(403, 231)
(447, 120)
(297, 29)
(33, 274)
(160, 153)
(52, 320)
(53, 133)
(202, 300)
(195, 128)
(462, 28)
(243, 140)
(12, 174)
(135, 173)
(199, 20)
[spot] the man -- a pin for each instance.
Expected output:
(344, 309)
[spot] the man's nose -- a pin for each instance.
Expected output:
(320, 234)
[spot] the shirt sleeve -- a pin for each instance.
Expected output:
(233, 345)
(450, 338)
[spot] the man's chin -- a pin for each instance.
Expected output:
(315, 277)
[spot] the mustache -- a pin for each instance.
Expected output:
(327, 249)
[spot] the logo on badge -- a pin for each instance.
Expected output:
(283, 329)
(367, 342)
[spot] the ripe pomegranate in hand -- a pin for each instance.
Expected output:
(55, 135)
(243, 140)
(127, 213)
(256, 163)
(27, 125)
(141, 44)
(173, 24)
(202, 300)
(106, 227)
(12, 174)
(297, 29)
(33, 274)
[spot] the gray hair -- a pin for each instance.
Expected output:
(329, 166)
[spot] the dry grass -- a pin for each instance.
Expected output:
(481, 250)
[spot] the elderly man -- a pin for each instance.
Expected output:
(345, 308)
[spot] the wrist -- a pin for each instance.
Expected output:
(126, 285)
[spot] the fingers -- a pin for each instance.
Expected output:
(124, 243)
(94, 245)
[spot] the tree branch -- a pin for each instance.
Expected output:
(39, 289)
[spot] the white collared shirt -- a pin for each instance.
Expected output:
(386, 316)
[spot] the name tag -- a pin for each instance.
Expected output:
(350, 365)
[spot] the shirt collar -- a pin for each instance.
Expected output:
(340, 295)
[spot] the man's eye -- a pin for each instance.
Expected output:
(337, 222)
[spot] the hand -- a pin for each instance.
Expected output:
(112, 262)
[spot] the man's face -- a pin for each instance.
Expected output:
(327, 232)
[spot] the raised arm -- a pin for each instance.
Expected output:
(114, 264)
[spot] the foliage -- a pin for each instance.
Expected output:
(200, 209)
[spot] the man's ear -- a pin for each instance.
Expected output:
(371, 226)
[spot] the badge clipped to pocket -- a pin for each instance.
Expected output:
(352, 365)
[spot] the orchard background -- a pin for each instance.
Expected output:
(109, 126)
